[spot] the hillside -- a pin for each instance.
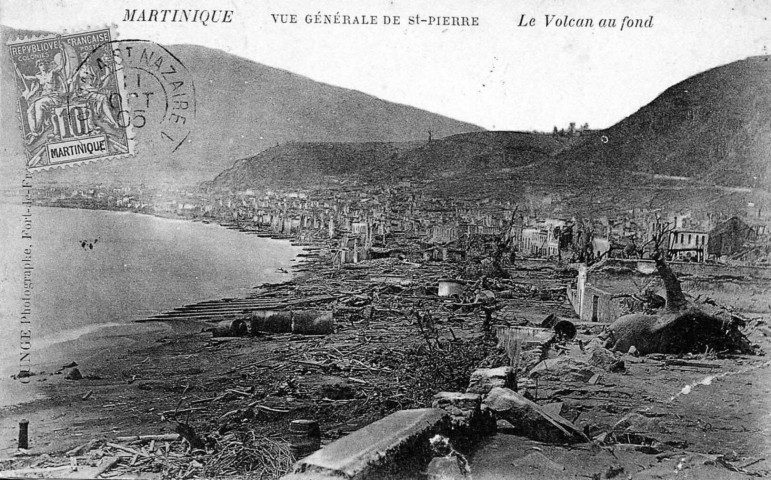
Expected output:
(242, 108)
(312, 162)
(711, 129)
(714, 127)
(306, 163)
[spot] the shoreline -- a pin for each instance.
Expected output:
(227, 225)
(88, 340)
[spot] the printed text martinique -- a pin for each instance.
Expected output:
(204, 17)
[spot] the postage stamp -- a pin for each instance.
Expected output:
(72, 102)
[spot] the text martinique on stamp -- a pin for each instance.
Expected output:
(72, 102)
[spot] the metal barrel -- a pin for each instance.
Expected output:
(231, 328)
(304, 437)
(313, 322)
(271, 321)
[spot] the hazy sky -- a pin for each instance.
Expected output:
(497, 75)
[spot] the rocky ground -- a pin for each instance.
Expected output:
(685, 417)
(396, 344)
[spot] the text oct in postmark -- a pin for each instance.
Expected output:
(161, 95)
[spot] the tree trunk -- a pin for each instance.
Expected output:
(187, 432)
(675, 297)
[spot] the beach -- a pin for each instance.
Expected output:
(94, 273)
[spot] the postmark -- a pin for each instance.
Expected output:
(161, 94)
(70, 101)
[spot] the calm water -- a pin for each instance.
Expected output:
(139, 265)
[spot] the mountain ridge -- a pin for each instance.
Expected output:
(242, 107)
(711, 128)
(714, 127)
(310, 163)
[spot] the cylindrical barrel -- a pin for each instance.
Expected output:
(304, 437)
(271, 321)
(24, 434)
(231, 328)
(448, 288)
(313, 322)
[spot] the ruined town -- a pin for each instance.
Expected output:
(457, 303)
(422, 332)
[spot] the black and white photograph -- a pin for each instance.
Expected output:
(383, 239)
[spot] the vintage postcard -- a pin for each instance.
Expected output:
(385, 239)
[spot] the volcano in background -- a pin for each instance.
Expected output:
(714, 127)
(711, 129)
(258, 125)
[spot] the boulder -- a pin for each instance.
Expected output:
(562, 368)
(485, 379)
(74, 374)
(529, 419)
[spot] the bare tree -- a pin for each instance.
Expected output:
(675, 297)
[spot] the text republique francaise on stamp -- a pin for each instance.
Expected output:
(72, 101)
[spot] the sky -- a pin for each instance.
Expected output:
(498, 75)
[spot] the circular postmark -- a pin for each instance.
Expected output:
(160, 104)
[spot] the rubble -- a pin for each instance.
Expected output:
(529, 419)
(485, 379)
(445, 468)
(448, 463)
(636, 428)
(604, 358)
(74, 374)
(467, 416)
(562, 368)
(388, 340)
(336, 388)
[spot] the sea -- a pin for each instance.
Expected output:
(94, 269)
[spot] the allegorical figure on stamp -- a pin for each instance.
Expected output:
(71, 98)
(47, 92)
(89, 86)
